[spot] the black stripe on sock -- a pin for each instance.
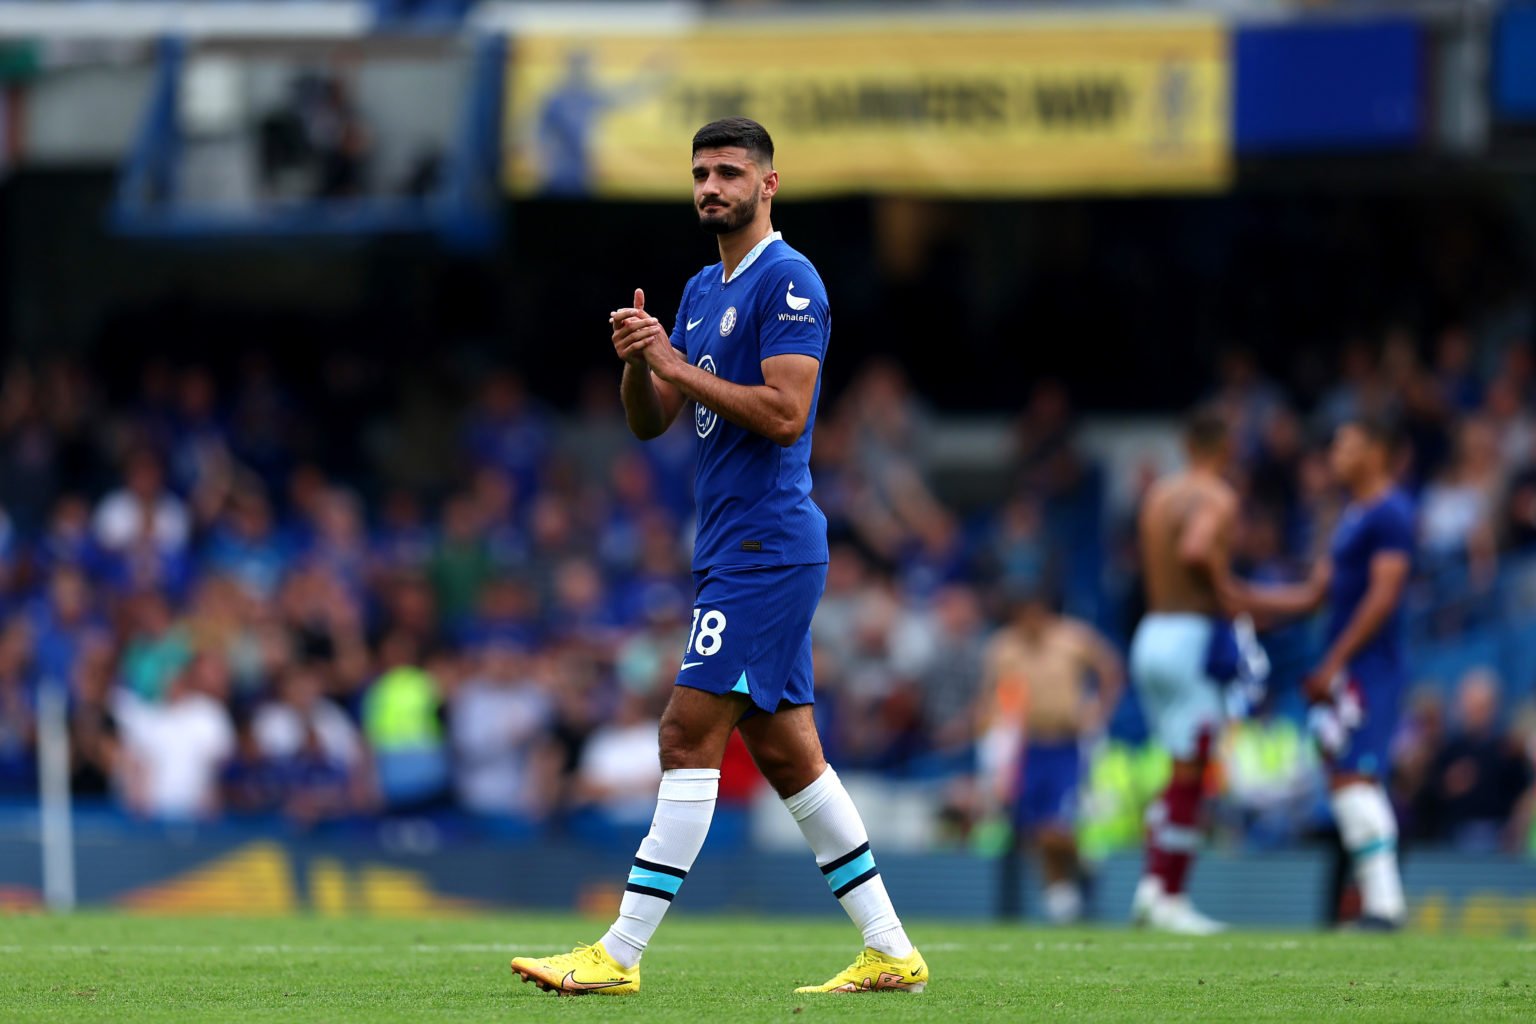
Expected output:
(665, 869)
(845, 890)
(661, 894)
(827, 869)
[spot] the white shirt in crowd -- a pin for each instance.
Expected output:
(180, 748)
(491, 729)
(1449, 513)
(625, 760)
(119, 521)
(279, 732)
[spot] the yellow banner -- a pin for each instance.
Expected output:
(1011, 108)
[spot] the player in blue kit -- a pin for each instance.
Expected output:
(1356, 690)
(746, 348)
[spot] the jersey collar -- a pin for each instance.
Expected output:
(751, 257)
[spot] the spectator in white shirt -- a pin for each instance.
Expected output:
(620, 768)
(282, 726)
(317, 751)
(499, 722)
(143, 507)
(174, 750)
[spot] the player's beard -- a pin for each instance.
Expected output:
(719, 221)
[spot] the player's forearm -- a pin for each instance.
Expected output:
(643, 411)
(1280, 601)
(764, 410)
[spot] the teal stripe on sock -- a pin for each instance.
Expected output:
(848, 872)
(1378, 846)
(655, 880)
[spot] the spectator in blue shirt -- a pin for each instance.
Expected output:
(245, 545)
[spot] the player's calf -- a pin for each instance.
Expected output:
(1368, 828)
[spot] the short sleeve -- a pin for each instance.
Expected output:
(679, 328)
(796, 318)
(1393, 529)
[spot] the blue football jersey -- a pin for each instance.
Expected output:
(753, 496)
(1363, 532)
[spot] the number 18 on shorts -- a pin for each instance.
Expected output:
(705, 636)
(751, 633)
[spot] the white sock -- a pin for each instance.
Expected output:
(684, 806)
(831, 824)
(1369, 831)
(1063, 902)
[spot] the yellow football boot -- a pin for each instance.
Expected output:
(585, 970)
(874, 971)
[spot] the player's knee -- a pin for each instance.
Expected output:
(675, 742)
(680, 746)
(685, 743)
(789, 773)
(779, 770)
(1188, 772)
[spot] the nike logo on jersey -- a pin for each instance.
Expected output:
(693, 323)
(795, 301)
(690, 664)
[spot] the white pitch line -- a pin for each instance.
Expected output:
(423, 948)
(431, 949)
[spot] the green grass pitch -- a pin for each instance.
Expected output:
(94, 967)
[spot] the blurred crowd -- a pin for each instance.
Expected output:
(243, 628)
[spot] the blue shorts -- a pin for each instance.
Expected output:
(751, 633)
(1047, 792)
(1368, 749)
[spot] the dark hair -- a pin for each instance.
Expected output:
(736, 131)
(1384, 431)
(1205, 429)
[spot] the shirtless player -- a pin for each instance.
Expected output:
(1038, 713)
(1183, 652)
